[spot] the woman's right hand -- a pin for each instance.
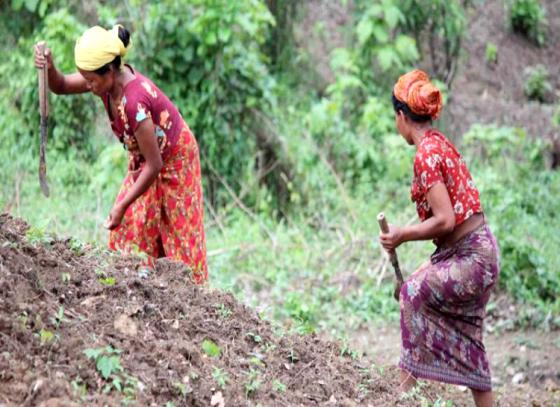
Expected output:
(42, 60)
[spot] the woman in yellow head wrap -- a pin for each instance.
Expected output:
(159, 209)
(443, 303)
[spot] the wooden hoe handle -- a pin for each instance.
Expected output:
(392, 256)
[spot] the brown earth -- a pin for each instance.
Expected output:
(525, 368)
(160, 321)
(53, 307)
(493, 93)
(481, 92)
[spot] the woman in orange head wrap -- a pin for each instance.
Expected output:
(159, 209)
(443, 303)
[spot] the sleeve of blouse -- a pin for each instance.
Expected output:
(428, 166)
(138, 107)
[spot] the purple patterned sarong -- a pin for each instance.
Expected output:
(443, 305)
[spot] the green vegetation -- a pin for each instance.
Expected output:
(210, 348)
(537, 83)
(108, 365)
(491, 53)
(294, 175)
(528, 17)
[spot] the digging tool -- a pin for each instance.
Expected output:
(44, 110)
(392, 256)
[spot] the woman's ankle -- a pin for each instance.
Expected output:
(483, 398)
(407, 381)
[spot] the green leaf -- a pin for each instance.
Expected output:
(46, 336)
(107, 365)
(210, 348)
(406, 47)
(31, 5)
(386, 58)
(109, 281)
(381, 33)
(364, 30)
(117, 384)
(392, 16)
(224, 34)
(93, 353)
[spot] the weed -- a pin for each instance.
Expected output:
(220, 377)
(223, 311)
(65, 277)
(108, 281)
(537, 83)
(108, 364)
(257, 361)
(76, 245)
(183, 388)
(278, 386)
(210, 348)
(256, 338)
(528, 17)
(36, 235)
(346, 350)
(253, 382)
(23, 318)
(79, 387)
(46, 336)
(269, 347)
(292, 356)
(59, 317)
(491, 53)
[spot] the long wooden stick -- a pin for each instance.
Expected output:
(392, 255)
(44, 110)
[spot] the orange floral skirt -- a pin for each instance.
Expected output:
(167, 219)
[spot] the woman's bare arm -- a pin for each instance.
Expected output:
(441, 223)
(147, 143)
(58, 82)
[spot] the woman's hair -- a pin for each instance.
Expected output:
(124, 36)
(403, 107)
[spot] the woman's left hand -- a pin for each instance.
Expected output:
(115, 217)
(393, 239)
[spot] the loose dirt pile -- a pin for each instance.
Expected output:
(171, 341)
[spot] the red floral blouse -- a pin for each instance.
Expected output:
(142, 100)
(437, 160)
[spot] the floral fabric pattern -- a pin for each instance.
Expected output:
(437, 160)
(443, 305)
(142, 100)
(167, 220)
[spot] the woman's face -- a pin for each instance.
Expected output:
(403, 126)
(99, 84)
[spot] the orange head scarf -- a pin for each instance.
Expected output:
(419, 94)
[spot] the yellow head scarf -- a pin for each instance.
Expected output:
(97, 47)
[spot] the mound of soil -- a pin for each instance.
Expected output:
(60, 299)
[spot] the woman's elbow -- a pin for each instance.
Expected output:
(448, 224)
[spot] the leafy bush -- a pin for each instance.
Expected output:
(207, 58)
(20, 94)
(519, 196)
(440, 25)
(537, 83)
(528, 17)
